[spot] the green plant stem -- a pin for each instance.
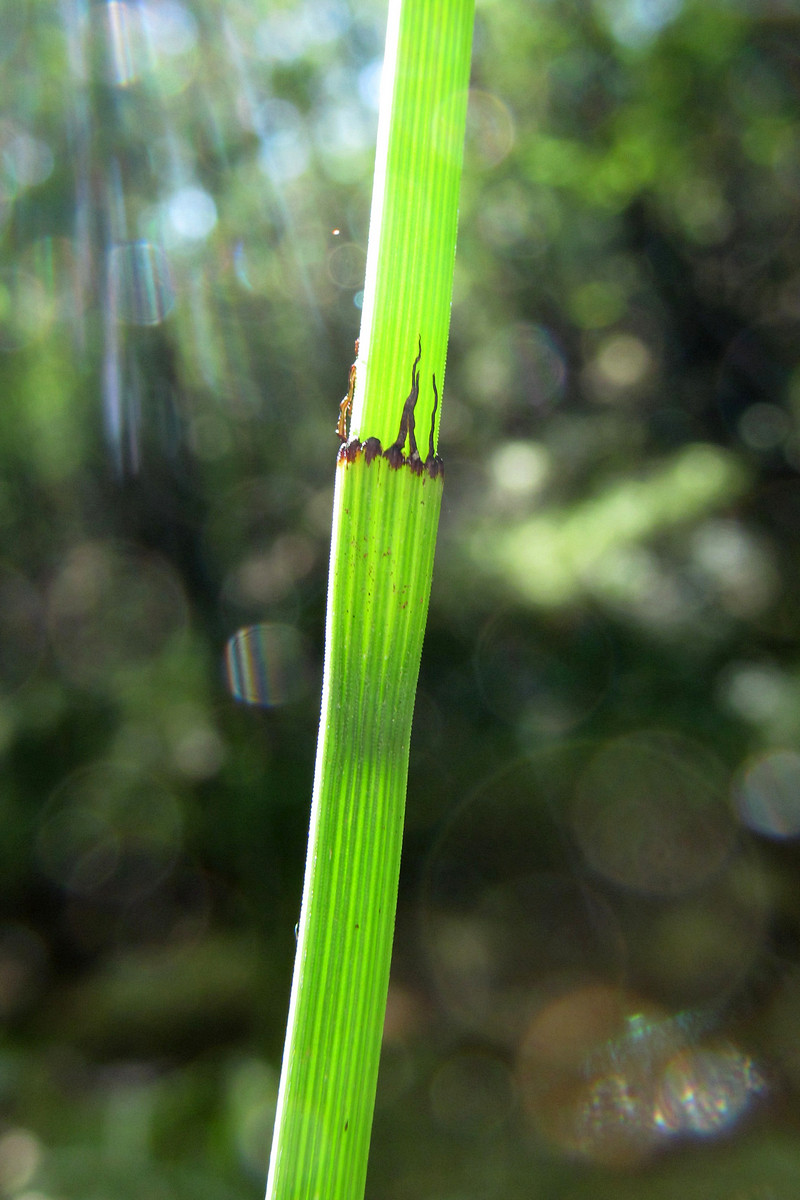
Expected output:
(414, 215)
(384, 533)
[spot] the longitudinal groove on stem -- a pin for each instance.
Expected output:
(414, 216)
(384, 532)
(375, 629)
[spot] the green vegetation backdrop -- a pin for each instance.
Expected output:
(596, 983)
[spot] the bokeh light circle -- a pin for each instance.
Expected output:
(505, 920)
(608, 1078)
(26, 309)
(21, 628)
(649, 813)
(111, 608)
(111, 831)
(267, 665)
(544, 679)
(767, 794)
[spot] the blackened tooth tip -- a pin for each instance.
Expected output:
(431, 451)
(372, 449)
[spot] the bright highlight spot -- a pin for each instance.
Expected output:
(369, 83)
(191, 213)
(559, 553)
(612, 1087)
(287, 35)
(170, 27)
(284, 156)
(520, 468)
(759, 692)
(27, 159)
(704, 1091)
(126, 45)
(623, 361)
(20, 1155)
(636, 22)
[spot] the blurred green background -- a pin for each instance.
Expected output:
(596, 989)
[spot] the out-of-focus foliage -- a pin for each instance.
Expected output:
(597, 978)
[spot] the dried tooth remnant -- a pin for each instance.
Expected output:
(395, 451)
(433, 464)
(394, 454)
(346, 405)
